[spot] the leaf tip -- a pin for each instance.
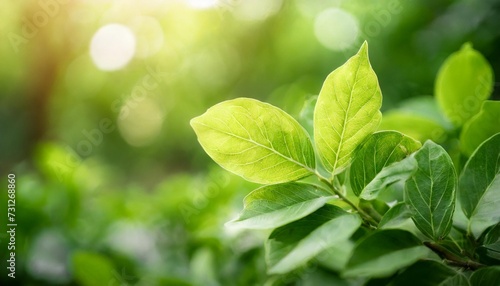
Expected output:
(194, 121)
(467, 47)
(363, 50)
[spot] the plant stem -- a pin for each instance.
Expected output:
(451, 258)
(337, 192)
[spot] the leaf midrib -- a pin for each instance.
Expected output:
(345, 119)
(260, 145)
(326, 198)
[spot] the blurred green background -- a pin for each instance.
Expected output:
(95, 103)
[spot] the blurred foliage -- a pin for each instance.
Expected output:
(111, 176)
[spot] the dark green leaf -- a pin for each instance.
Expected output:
(292, 245)
(430, 192)
(479, 186)
(384, 252)
(429, 273)
(486, 276)
(276, 205)
(489, 251)
(371, 170)
(395, 216)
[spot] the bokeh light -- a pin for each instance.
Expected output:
(112, 47)
(336, 29)
(202, 4)
(140, 121)
(256, 10)
(150, 35)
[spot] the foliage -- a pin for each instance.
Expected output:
(389, 201)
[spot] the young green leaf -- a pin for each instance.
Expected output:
(371, 168)
(276, 205)
(430, 192)
(486, 276)
(255, 140)
(347, 111)
(435, 274)
(395, 216)
(479, 186)
(415, 125)
(292, 245)
(383, 252)
(464, 81)
(481, 127)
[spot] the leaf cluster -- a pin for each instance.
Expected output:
(367, 204)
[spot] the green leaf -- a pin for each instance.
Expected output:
(486, 276)
(92, 269)
(481, 127)
(479, 186)
(429, 273)
(384, 252)
(430, 192)
(489, 251)
(255, 140)
(417, 126)
(292, 245)
(464, 81)
(395, 216)
(336, 256)
(347, 111)
(371, 168)
(426, 107)
(306, 118)
(276, 205)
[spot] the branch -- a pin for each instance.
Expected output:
(337, 192)
(452, 259)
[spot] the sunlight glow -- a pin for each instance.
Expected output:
(112, 47)
(257, 10)
(202, 4)
(336, 29)
(141, 122)
(149, 33)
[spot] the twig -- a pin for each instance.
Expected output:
(451, 258)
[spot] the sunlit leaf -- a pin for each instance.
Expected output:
(371, 170)
(347, 111)
(481, 127)
(292, 245)
(255, 140)
(429, 273)
(479, 186)
(383, 252)
(430, 192)
(276, 205)
(464, 81)
(415, 125)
